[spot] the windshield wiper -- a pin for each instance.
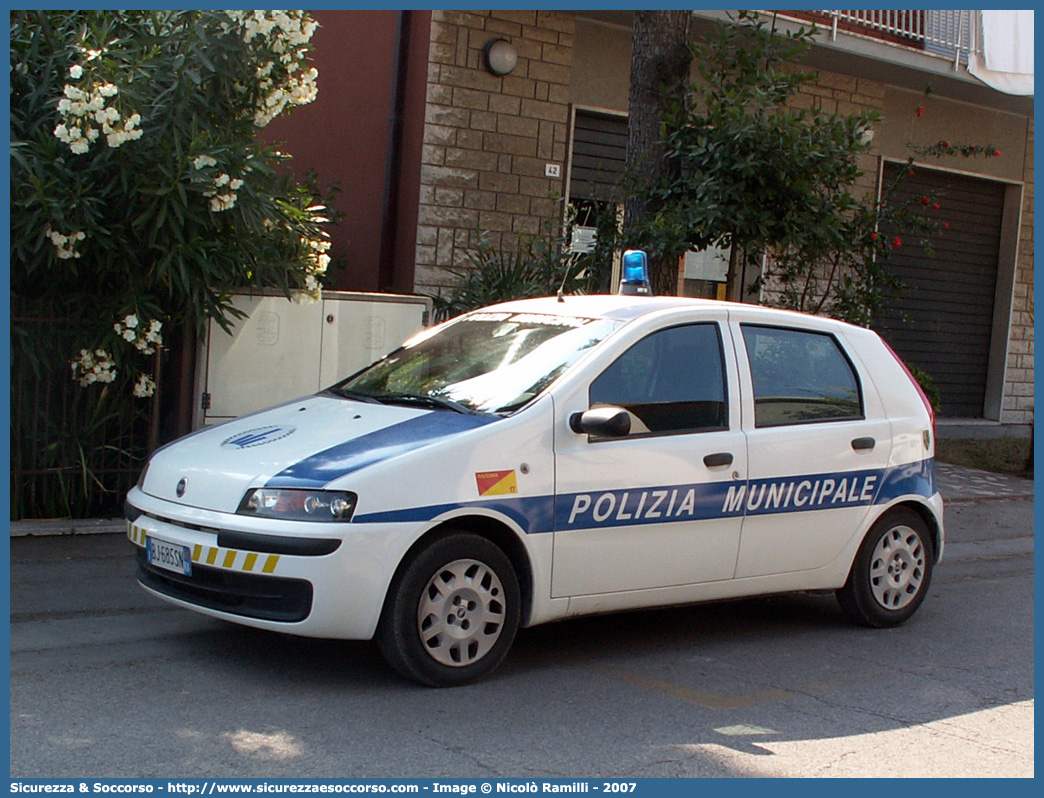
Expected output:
(426, 400)
(345, 393)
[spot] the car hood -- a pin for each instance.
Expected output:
(304, 444)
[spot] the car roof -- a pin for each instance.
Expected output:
(609, 306)
(625, 308)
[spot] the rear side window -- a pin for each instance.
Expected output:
(670, 381)
(800, 377)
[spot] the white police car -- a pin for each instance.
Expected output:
(549, 458)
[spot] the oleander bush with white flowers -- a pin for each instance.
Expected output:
(141, 193)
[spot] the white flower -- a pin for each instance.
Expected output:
(83, 113)
(91, 367)
(286, 79)
(222, 202)
(203, 161)
(65, 244)
(144, 387)
(145, 339)
(75, 71)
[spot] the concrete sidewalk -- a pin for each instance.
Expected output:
(956, 483)
(963, 484)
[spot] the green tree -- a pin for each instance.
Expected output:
(537, 266)
(141, 194)
(660, 62)
(751, 171)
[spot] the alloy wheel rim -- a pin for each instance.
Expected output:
(460, 615)
(897, 568)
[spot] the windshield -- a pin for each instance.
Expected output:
(482, 362)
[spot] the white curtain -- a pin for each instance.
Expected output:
(1006, 62)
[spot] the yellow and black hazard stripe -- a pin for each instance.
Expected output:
(218, 557)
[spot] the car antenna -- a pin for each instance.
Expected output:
(561, 288)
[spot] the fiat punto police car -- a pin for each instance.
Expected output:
(549, 458)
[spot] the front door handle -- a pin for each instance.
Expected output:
(717, 460)
(863, 444)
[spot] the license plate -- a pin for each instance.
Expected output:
(168, 556)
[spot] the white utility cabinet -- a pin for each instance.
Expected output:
(282, 350)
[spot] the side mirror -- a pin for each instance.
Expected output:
(602, 422)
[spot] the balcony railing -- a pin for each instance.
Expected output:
(947, 34)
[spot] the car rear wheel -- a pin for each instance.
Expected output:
(452, 612)
(891, 572)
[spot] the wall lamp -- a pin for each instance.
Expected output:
(499, 56)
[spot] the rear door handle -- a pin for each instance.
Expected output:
(863, 444)
(717, 460)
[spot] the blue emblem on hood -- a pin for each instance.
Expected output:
(322, 467)
(256, 437)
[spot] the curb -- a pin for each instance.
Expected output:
(67, 526)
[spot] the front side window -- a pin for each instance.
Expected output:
(800, 376)
(672, 380)
(484, 362)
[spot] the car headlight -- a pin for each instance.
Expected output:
(299, 505)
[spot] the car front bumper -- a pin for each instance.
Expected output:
(316, 580)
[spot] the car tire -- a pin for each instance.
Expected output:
(891, 572)
(452, 612)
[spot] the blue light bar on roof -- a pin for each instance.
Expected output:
(635, 278)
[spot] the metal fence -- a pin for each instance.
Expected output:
(75, 451)
(947, 33)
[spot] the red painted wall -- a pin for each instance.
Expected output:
(343, 136)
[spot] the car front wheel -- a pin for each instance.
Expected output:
(891, 572)
(452, 613)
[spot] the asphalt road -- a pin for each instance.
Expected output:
(109, 682)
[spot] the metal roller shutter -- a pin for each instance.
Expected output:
(943, 320)
(599, 155)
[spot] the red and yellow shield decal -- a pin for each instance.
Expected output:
(496, 483)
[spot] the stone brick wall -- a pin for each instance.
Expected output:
(487, 139)
(834, 93)
(1018, 387)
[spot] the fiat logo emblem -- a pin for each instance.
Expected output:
(180, 489)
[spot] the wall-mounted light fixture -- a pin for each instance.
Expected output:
(499, 56)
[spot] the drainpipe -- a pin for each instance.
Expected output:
(393, 159)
